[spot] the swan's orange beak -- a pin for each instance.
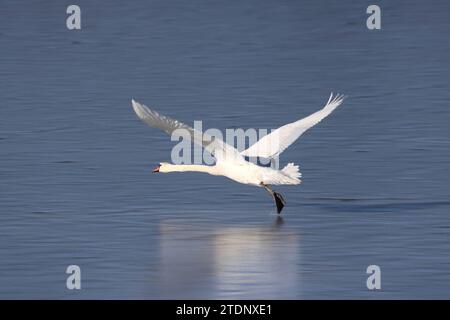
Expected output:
(157, 168)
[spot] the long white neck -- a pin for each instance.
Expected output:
(189, 167)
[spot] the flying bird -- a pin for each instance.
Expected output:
(231, 163)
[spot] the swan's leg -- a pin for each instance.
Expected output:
(279, 200)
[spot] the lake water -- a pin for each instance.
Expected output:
(75, 163)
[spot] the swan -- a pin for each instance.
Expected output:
(229, 162)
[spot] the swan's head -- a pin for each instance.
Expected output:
(162, 167)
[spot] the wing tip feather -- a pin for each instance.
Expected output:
(336, 100)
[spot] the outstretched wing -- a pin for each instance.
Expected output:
(277, 141)
(217, 147)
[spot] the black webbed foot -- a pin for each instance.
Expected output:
(279, 201)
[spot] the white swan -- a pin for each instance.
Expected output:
(229, 162)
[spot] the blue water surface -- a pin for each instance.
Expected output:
(75, 163)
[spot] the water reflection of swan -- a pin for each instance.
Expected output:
(201, 261)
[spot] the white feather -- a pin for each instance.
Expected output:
(277, 141)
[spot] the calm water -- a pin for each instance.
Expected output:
(75, 164)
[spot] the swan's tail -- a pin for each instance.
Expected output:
(292, 171)
(288, 175)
